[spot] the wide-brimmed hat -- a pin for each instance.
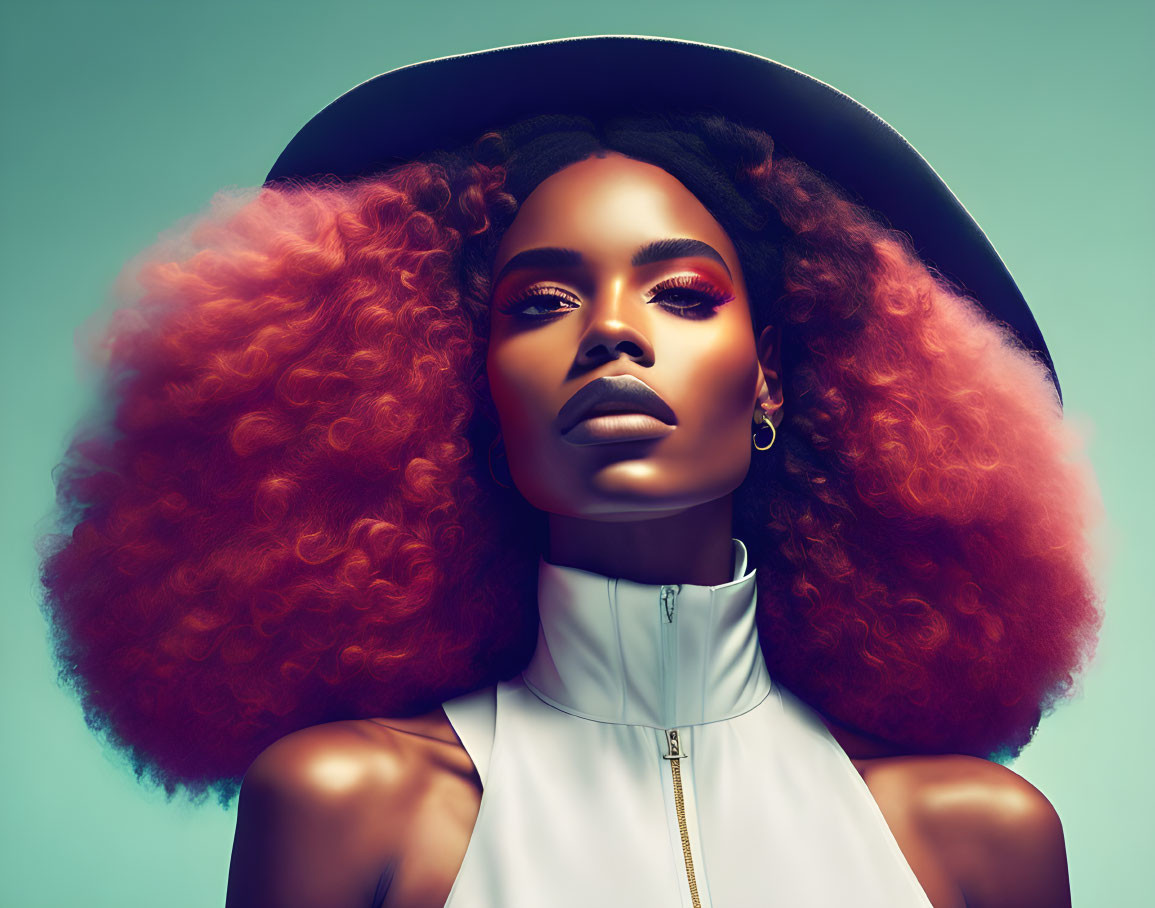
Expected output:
(449, 101)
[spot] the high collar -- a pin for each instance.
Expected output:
(660, 655)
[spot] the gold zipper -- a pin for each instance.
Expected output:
(674, 754)
(668, 597)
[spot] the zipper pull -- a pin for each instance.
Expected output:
(674, 749)
(669, 597)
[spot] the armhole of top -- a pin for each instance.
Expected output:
(805, 713)
(474, 720)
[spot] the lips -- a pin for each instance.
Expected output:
(614, 394)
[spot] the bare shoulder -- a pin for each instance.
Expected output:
(324, 811)
(344, 763)
(325, 763)
(358, 756)
(994, 834)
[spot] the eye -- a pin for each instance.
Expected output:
(689, 296)
(538, 303)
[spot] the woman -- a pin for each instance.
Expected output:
(682, 338)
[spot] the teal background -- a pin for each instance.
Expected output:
(119, 118)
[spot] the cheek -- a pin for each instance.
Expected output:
(519, 376)
(718, 380)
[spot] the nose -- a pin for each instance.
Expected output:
(614, 330)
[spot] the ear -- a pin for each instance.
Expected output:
(769, 348)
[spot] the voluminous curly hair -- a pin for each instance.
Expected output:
(287, 516)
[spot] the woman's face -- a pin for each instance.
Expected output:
(617, 293)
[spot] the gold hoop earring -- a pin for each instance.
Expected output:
(760, 443)
(493, 444)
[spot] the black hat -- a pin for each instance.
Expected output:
(449, 101)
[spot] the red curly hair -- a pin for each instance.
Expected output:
(287, 516)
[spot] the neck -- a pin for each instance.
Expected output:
(690, 546)
(661, 655)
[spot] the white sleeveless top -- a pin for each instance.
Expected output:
(645, 758)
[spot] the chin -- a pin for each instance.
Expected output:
(630, 491)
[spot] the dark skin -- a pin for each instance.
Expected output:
(326, 810)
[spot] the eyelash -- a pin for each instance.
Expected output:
(707, 298)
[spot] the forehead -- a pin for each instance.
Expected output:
(605, 207)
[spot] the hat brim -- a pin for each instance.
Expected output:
(449, 101)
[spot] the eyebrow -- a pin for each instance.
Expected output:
(657, 251)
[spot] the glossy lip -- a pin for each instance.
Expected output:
(617, 428)
(614, 394)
